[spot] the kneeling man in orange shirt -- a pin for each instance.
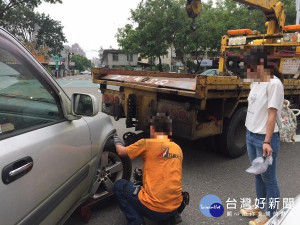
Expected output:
(161, 194)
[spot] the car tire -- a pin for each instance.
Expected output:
(111, 168)
(232, 141)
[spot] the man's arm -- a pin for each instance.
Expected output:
(120, 146)
(267, 149)
(121, 150)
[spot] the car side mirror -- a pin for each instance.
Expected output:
(84, 105)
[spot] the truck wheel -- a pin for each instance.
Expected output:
(112, 168)
(232, 141)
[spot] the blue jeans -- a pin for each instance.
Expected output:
(133, 209)
(266, 183)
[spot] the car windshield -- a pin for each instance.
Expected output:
(26, 100)
(17, 80)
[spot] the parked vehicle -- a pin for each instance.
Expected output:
(86, 72)
(56, 152)
(203, 106)
(288, 215)
(210, 72)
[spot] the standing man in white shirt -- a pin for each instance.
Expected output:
(264, 105)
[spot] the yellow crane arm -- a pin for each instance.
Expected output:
(274, 12)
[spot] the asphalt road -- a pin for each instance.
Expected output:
(204, 172)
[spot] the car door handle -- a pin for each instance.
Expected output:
(20, 169)
(16, 169)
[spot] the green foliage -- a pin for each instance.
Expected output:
(81, 62)
(151, 68)
(147, 35)
(6, 6)
(158, 24)
(164, 67)
(20, 22)
(35, 29)
(214, 22)
(290, 7)
(50, 34)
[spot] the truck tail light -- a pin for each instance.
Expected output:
(199, 127)
(106, 98)
(111, 99)
(174, 113)
(164, 109)
(182, 115)
(117, 100)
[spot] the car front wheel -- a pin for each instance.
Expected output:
(112, 168)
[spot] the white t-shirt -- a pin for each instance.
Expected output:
(263, 95)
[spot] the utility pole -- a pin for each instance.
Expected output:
(67, 51)
(298, 11)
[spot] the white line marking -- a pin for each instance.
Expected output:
(67, 84)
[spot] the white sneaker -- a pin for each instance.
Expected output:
(261, 220)
(252, 211)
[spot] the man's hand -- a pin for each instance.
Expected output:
(267, 150)
(120, 146)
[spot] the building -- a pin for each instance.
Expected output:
(174, 62)
(96, 61)
(77, 50)
(116, 58)
(169, 59)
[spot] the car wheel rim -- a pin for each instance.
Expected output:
(110, 170)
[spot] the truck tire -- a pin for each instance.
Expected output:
(232, 141)
(112, 168)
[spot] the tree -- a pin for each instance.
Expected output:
(146, 35)
(34, 29)
(156, 25)
(178, 30)
(290, 7)
(7, 5)
(50, 34)
(81, 62)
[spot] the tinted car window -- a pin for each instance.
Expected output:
(25, 102)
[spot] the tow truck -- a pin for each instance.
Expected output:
(206, 106)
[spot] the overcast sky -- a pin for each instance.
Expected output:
(91, 23)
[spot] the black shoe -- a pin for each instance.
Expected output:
(175, 219)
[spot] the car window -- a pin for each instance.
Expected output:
(209, 72)
(25, 101)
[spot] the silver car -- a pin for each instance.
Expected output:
(288, 215)
(55, 152)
